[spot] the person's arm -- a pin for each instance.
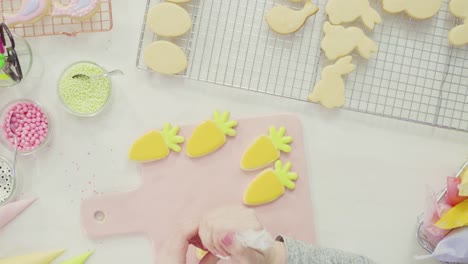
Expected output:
(298, 252)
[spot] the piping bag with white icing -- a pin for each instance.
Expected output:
(259, 240)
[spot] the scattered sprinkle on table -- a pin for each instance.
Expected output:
(30, 124)
(84, 96)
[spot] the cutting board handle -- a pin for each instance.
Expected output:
(103, 216)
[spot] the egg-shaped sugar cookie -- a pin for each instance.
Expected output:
(165, 57)
(169, 20)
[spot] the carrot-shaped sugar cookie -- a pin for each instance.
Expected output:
(156, 145)
(211, 135)
(266, 149)
(270, 184)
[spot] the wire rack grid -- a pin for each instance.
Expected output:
(415, 76)
(49, 25)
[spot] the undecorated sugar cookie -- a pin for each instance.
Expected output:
(458, 36)
(270, 184)
(211, 135)
(79, 260)
(266, 149)
(34, 258)
(156, 145)
(340, 41)
(284, 20)
(165, 57)
(169, 20)
(330, 90)
(30, 12)
(179, 1)
(76, 9)
(345, 11)
(418, 9)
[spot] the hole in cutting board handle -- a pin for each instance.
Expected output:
(99, 216)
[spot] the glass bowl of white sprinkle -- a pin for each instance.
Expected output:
(84, 97)
(8, 182)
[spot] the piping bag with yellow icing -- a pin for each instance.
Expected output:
(284, 20)
(266, 149)
(34, 258)
(211, 135)
(80, 259)
(455, 217)
(270, 184)
(330, 90)
(31, 11)
(458, 36)
(156, 145)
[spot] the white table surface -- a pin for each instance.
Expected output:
(369, 174)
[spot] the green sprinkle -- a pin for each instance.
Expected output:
(83, 96)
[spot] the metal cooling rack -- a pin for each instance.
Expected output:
(48, 25)
(415, 76)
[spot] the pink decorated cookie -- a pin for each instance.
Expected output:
(77, 9)
(31, 11)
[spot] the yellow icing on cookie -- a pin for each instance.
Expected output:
(345, 11)
(269, 184)
(458, 36)
(201, 253)
(35, 258)
(266, 149)
(156, 145)
(340, 41)
(419, 9)
(330, 90)
(455, 217)
(211, 135)
(79, 260)
(284, 20)
(463, 187)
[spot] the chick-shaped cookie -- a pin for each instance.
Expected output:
(284, 20)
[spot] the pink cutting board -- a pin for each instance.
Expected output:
(179, 188)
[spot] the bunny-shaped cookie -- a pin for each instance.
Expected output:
(330, 90)
(340, 41)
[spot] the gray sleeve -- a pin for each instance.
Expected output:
(302, 253)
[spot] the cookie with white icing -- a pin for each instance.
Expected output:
(77, 9)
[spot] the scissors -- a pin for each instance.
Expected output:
(9, 62)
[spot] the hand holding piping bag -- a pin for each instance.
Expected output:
(233, 233)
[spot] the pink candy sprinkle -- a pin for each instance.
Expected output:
(31, 132)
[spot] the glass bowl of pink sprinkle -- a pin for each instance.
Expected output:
(31, 124)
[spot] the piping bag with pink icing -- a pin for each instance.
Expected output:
(9, 211)
(77, 9)
(30, 12)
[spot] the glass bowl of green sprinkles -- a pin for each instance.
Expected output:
(84, 97)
